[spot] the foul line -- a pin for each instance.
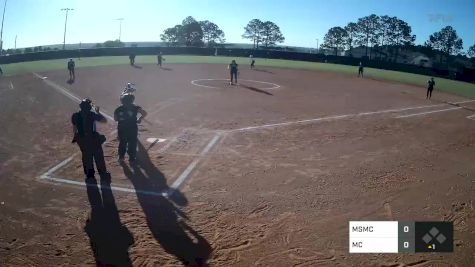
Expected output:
(428, 112)
(66, 93)
(334, 117)
(186, 173)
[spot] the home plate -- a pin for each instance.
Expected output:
(154, 140)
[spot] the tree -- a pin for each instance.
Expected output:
(351, 31)
(28, 50)
(115, 43)
(98, 45)
(190, 32)
(336, 38)
(471, 51)
(253, 31)
(445, 40)
(171, 35)
(212, 34)
(270, 34)
(395, 32)
(367, 31)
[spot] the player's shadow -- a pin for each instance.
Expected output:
(255, 89)
(70, 81)
(108, 237)
(165, 220)
(137, 66)
(165, 68)
(263, 70)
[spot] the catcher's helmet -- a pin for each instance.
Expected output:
(86, 104)
(127, 99)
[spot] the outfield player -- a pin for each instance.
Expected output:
(360, 70)
(252, 61)
(132, 59)
(160, 58)
(430, 87)
(71, 66)
(127, 128)
(233, 71)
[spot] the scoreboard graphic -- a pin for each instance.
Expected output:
(400, 237)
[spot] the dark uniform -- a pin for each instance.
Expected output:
(71, 66)
(132, 59)
(159, 59)
(89, 140)
(127, 129)
(360, 70)
(233, 71)
(430, 88)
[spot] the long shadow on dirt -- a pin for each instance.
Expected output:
(255, 89)
(108, 237)
(165, 220)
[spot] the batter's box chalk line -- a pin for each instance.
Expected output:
(48, 175)
(197, 83)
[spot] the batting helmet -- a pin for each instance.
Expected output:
(86, 104)
(127, 99)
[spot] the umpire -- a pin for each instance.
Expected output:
(127, 128)
(89, 140)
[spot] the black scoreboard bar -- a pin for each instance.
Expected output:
(400, 236)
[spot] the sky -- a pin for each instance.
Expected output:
(302, 22)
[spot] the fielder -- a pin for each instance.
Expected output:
(233, 71)
(160, 58)
(430, 87)
(252, 61)
(360, 70)
(71, 66)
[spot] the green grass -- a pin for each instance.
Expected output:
(455, 87)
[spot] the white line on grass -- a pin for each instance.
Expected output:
(186, 173)
(427, 112)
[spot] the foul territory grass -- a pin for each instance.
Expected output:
(456, 87)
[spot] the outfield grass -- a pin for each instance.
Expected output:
(456, 87)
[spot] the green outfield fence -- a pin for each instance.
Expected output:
(464, 74)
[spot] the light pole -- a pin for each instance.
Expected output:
(317, 46)
(120, 26)
(15, 40)
(1, 31)
(65, 23)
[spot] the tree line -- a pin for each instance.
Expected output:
(374, 32)
(206, 33)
